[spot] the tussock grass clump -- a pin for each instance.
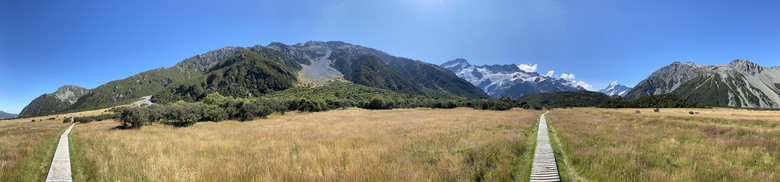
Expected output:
(616, 145)
(342, 145)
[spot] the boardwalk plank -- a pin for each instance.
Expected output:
(60, 164)
(544, 166)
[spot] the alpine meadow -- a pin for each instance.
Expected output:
(402, 90)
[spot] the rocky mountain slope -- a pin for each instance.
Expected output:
(739, 83)
(260, 70)
(4, 115)
(616, 88)
(507, 80)
(411, 74)
(247, 73)
(60, 100)
(150, 82)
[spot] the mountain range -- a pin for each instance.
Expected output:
(739, 83)
(507, 80)
(616, 88)
(257, 70)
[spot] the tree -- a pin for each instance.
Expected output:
(133, 118)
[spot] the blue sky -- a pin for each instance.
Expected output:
(46, 44)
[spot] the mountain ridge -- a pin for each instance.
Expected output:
(507, 80)
(739, 83)
(59, 100)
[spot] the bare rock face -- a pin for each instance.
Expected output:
(740, 83)
(746, 66)
(70, 93)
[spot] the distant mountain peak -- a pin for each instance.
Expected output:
(70, 93)
(460, 60)
(613, 83)
(65, 96)
(746, 66)
(456, 64)
(615, 88)
(507, 80)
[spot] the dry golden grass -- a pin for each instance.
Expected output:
(672, 145)
(344, 145)
(769, 118)
(26, 149)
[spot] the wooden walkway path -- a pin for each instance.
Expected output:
(544, 166)
(60, 164)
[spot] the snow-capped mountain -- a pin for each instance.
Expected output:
(616, 88)
(739, 83)
(507, 80)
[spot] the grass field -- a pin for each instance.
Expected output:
(342, 145)
(671, 145)
(26, 149)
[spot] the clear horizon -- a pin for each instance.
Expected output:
(44, 45)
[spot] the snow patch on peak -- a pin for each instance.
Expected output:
(615, 88)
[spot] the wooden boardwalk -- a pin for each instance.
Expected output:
(544, 166)
(60, 164)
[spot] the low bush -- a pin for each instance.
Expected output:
(89, 119)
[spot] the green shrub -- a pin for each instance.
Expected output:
(214, 113)
(378, 103)
(89, 119)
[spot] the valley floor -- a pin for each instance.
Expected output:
(341, 145)
(27, 145)
(459, 144)
(670, 145)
